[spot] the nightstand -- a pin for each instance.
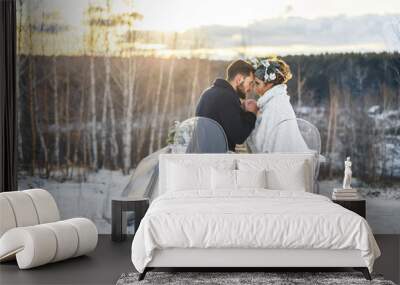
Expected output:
(119, 207)
(357, 206)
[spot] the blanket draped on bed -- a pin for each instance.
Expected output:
(253, 218)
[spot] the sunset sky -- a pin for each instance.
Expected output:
(183, 15)
(179, 15)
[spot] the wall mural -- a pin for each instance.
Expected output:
(96, 95)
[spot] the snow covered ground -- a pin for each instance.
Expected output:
(383, 205)
(92, 199)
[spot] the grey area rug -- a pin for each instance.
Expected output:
(273, 278)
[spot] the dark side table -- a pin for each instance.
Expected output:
(119, 207)
(357, 206)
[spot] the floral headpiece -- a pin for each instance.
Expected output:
(266, 69)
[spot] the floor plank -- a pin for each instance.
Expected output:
(389, 262)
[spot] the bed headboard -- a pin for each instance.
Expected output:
(308, 158)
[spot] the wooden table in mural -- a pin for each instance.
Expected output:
(119, 207)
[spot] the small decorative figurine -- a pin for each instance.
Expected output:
(347, 174)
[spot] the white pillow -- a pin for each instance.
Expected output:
(294, 178)
(225, 179)
(183, 178)
(283, 174)
(251, 179)
(184, 175)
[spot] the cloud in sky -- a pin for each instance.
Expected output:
(185, 14)
(357, 33)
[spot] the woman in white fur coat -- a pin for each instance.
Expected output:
(276, 128)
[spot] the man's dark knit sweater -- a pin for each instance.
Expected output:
(221, 103)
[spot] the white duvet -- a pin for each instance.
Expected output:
(254, 218)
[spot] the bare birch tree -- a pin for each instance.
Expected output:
(332, 123)
(67, 120)
(194, 88)
(156, 108)
(128, 85)
(93, 17)
(51, 28)
(56, 114)
(104, 24)
(128, 115)
(168, 94)
(145, 120)
(300, 85)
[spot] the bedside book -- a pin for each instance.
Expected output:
(334, 197)
(340, 190)
(345, 194)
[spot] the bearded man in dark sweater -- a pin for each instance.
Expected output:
(221, 102)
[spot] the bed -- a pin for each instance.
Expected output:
(247, 210)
